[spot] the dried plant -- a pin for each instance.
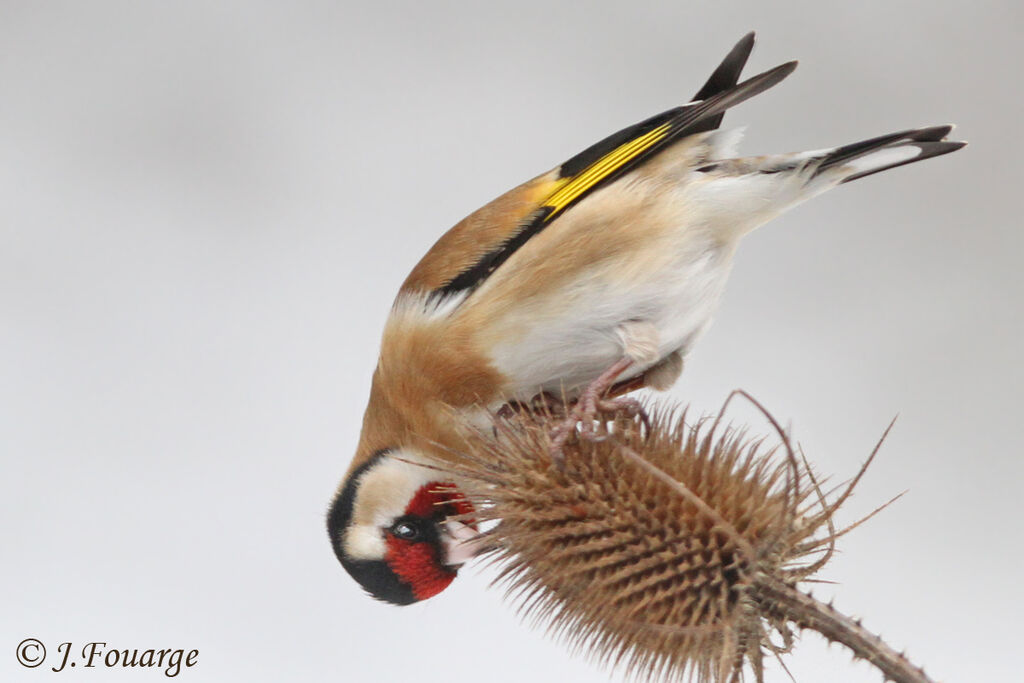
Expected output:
(669, 548)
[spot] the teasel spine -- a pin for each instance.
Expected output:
(759, 567)
(784, 601)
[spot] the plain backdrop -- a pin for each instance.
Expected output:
(206, 209)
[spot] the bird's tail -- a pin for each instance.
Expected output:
(861, 159)
(742, 193)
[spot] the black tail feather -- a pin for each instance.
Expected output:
(930, 141)
(724, 77)
(928, 150)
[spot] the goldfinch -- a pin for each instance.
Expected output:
(605, 268)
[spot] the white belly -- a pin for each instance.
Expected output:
(566, 340)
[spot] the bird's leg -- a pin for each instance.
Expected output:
(587, 405)
(640, 345)
(660, 377)
(595, 399)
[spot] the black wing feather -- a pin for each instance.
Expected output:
(622, 152)
(724, 77)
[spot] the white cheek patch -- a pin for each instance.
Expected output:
(382, 494)
(364, 543)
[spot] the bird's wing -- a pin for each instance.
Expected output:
(471, 251)
(724, 77)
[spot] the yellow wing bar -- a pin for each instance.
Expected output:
(570, 189)
(608, 159)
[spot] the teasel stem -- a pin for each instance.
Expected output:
(802, 610)
(807, 612)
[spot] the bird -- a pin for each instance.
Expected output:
(585, 282)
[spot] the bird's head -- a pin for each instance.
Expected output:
(391, 525)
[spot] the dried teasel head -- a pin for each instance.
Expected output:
(672, 549)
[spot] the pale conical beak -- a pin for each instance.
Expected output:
(461, 543)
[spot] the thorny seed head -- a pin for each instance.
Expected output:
(643, 549)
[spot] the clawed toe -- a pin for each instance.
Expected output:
(591, 403)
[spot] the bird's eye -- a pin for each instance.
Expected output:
(407, 531)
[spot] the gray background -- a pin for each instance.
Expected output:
(206, 211)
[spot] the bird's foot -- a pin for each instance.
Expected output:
(590, 403)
